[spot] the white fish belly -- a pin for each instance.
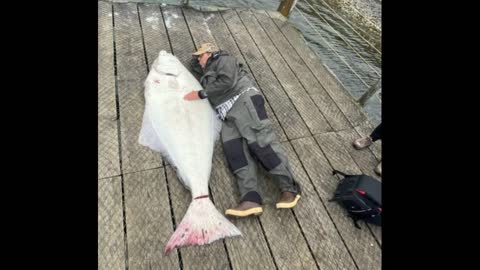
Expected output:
(185, 129)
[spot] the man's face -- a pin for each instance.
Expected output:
(202, 59)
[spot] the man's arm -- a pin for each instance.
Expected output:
(197, 70)
(225, 78)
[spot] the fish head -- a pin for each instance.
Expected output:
(167, 64)
(164, 73)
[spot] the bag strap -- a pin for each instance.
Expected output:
(355, 219)
(340, 172)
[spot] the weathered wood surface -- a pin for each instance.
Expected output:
(148, 219)
(108, 157)
(111, 244)
(131, 73)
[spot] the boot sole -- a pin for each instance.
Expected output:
(289, 205)
(238, 213)
(359, 147)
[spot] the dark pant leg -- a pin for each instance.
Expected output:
(377, 133)
(241, 163)
(253, 124)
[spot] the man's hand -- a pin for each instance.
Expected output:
(193, 95)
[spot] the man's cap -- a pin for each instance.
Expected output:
(206, 47)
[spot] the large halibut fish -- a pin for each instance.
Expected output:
(184, 132)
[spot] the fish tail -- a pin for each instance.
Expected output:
(202, 224)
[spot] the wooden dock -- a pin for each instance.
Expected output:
(139, 197)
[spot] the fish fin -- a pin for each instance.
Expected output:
(202, 224)
(148, 137)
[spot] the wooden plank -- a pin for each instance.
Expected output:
(287, 242)
(361, 244)
(365, 129)
(224, 40)
(283, 108)
(326, 245)
(211, 256)
(324, 102)
(180, 38)
(128, 37)
(108, 156)
(286, 6)
(149, 221)
(198, 26)
(345, 102)
(250, 251)
(111, 244)
(132, 72)
(153, 29)
(337, 154)
(305, 106)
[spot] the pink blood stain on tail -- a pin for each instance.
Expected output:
(194, 238)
